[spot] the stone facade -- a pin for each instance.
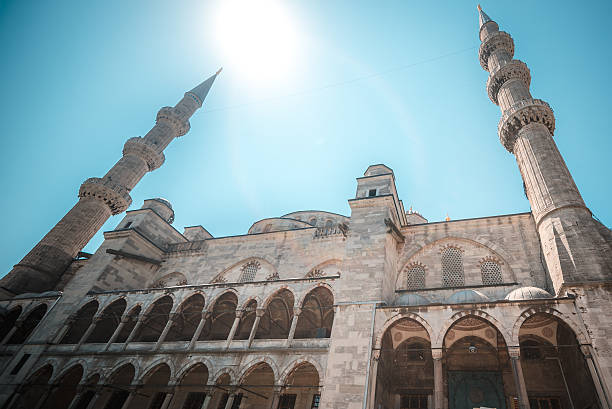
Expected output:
(378, 309)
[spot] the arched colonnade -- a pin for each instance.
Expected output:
(260, 384)
(472, 360)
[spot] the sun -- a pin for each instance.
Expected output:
(257, 39)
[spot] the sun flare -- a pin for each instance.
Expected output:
(257, 39)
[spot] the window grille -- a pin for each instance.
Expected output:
(452, 267)
(491, 273)
(415, 277)
(248, 272)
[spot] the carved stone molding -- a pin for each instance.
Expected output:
(521, 114)
(139, 147)
(514, 69)
(115, 196)
(499, 40)
(170, 116)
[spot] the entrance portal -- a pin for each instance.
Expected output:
(468, 389)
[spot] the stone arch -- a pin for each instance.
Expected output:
(52, 362)
(297, 363)
(30, 320)
(277, 290)
(265, 264)
(300, 300)
(155, 318)
(316, 313)
(81, 320)
(439, 339)
(66, 386)
(222, 312)
(242, 305)
(71, 364)
(8, 320)
(112, 300)
(252, 364)
(191, 364)
(498, 251)
(173, 279)
(224, 371)
(107, 321)
(278, 314)
(128, 361)
(187, 318)
(391, 321)
(146, 308)
(580, 335)
(152, 367)
(215, 297)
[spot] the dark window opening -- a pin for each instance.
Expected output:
(287, 401)
(20, 364)
(315, 401)
(372, 192)
(413, 402)
(194, 400)
(128, 224)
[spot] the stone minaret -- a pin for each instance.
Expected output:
(99, 198)
(573, 243)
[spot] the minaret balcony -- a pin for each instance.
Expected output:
(499, 40)
(115, 196)
(497, 78)
(139, 147)
(521, 114)
(174, 119)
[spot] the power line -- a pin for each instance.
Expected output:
(338, 84)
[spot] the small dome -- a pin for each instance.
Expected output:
(164, 201)
(527, 293)
(466, 296)
(411, 299)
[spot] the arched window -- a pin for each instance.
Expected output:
(328, 224)
(452, 267)
(313, 221)
(249, 270)
(491, 272)
(415, 277)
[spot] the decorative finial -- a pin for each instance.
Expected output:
(410, 211)
(447, 218)
(479, 8)
(219, 70)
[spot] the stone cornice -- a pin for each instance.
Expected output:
(521, 114)
(497, 78)
(115, 196)
(499, 40)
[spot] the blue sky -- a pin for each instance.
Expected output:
(395, 82)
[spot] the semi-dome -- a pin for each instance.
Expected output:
(411, 299)
(527, 293)
(466, 296)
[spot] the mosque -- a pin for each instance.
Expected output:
(379, 309)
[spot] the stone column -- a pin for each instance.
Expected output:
(43, 398)
(258, 314)
(230, 400)
(436, 354)
(173, 316)
(232, 332)
(125, 318)
(208, 397)
(140, 320)
(81, 390)
(94, 399)
(373, 376)
(8, 336)
(67, 324)
(587, 350)
(168, 399)
(296, 314)
(276, 393)
(15, 398)
(519, 380)
(130, 397)
(196, 335)
(88, 331)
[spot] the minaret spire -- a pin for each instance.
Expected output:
(573, 246)
(99, 198)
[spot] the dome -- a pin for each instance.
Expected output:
(466, 296)
(411, 299)
(164, 201)
(527, 293)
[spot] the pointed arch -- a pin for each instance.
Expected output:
(393, 320)
(31, 321)
(232, 273)
(83, 318)
(107, 321)
(581, 336)
(292, 366)
(222, 312)
(439, 339)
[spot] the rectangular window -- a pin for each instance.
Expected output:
(287, 401)
(20, 364)
(158, 400)
(372, 192)
(316, 399)
(545, 403)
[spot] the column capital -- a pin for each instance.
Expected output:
(260, 312)
(514, 352)
(206, 314)
(173, 316)
(376, 354)
(587, 350)
(436, 353)
(297, 310)
(239, 313)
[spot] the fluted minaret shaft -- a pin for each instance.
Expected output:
(571, 239)
(99, 198)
